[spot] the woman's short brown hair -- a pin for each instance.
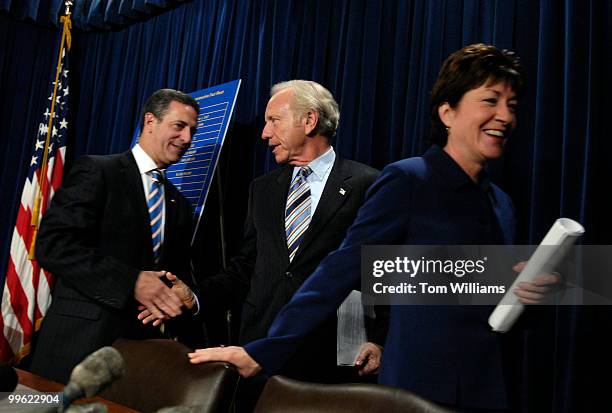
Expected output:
(467, 69)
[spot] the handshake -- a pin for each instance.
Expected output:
(160, 301)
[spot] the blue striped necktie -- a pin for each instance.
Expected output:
(297, 213)
(155, 204)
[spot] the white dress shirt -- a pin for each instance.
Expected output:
(321, 168)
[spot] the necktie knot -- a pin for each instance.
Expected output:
(304, 172)
(156, 175)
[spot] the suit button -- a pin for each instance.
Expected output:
(288, 274)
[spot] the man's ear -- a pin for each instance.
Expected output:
(311, 119)
(446, 112)
(149, 118)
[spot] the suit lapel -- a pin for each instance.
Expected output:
(134, 192)
(337, 190)
(277, 208)
(171, 211)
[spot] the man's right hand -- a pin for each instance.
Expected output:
(151, 292)
(180, 289)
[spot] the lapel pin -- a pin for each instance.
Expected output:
(172, 200)
(342, 191)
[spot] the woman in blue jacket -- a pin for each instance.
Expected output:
(445, 353)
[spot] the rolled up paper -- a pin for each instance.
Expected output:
(561, 236)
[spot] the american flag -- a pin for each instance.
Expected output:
(27, 289)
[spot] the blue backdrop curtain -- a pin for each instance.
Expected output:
(380, 59)
(88, 15)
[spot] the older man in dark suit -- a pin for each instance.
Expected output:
(297, 215)
(113, 230)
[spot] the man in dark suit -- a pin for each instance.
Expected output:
(301, 118)
(112, 231)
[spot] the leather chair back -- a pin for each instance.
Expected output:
(285, 395)
(158, 374)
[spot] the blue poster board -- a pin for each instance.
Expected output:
(193, 174)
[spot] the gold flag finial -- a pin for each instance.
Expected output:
(68, 4)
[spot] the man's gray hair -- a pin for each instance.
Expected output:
(310, 95)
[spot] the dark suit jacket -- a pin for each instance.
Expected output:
(262, 273)
(447, 354)
(95, 239)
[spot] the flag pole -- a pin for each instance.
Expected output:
(42, 188)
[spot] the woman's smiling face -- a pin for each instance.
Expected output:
(481, 122)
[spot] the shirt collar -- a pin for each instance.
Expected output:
(144, 161)
(321, 165)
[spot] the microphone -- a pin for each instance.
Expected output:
(93, 374)
(8, 379)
